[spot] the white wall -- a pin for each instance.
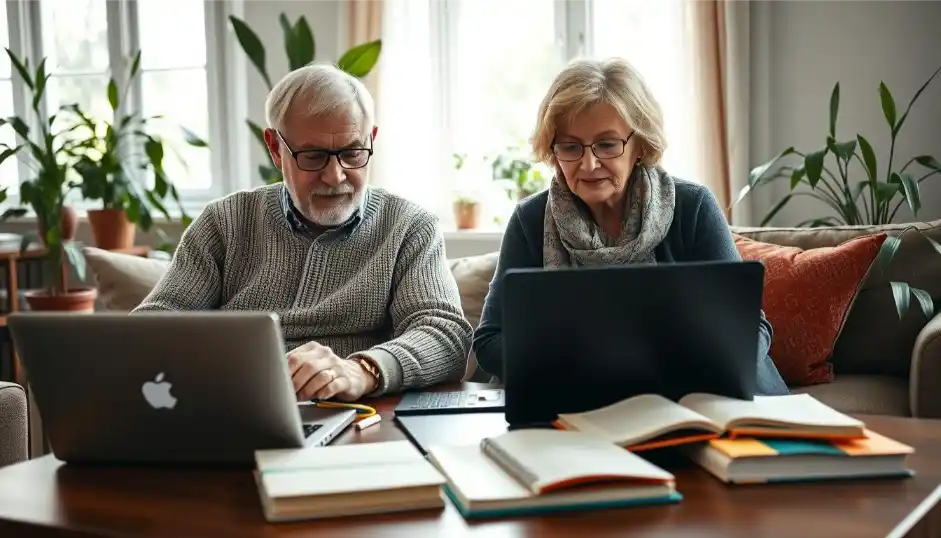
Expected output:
(802, 48)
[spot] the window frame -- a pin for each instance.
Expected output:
(227, 132)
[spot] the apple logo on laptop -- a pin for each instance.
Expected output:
(157, 393)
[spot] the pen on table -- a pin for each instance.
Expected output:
(368, 421)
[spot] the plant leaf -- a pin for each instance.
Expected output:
(813, 163)
(797, 176)
(909, 189)
(113, 95)
(834, 108)
(869, 158)
(902, 293)
(193, 139)
(135, 65)
(74, 254)
(845, 150)
(302, 43)
(898, 126)
(888, 105)
(259, 133)
(21, 69)
(886, 191)
(756, 173)
(12, 213)
(886, 253)
(360, 60)
(925, 301)
(251, 45)
(928, 162)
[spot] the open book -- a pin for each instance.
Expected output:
(651, 421)
(317, 482)
(540, 470)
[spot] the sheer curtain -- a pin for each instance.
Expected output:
(408, 149)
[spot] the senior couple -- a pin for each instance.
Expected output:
(358, 276)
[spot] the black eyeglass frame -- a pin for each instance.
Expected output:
(581, 154)
(328, 152)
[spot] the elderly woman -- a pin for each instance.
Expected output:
(610, 202)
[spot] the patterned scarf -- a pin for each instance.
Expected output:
(573, 239)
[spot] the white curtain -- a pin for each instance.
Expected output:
(408, 152)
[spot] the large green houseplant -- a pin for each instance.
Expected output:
(300, 47)
(107, 156)
(49, 156)
(872, 198)
(867, 199)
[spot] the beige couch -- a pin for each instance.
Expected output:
(882, 365)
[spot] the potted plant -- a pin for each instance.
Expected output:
(300, 48)
(466, 212)
(49, 156)
(108, 157)
(522, 175)
(871, 198)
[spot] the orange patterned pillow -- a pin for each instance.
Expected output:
(807, 296)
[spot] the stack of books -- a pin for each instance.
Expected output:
(768, 439)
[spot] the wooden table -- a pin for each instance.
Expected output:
(43, 497)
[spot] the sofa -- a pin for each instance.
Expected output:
(882, 365)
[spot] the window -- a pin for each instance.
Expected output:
(491, 68)
(86, 41)
(9, 173)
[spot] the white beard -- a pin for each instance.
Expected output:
(335, 215)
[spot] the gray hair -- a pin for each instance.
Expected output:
(324, 89)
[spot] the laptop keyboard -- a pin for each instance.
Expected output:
(435, 400)
(309, 429)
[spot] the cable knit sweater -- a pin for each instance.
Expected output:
(378, 286)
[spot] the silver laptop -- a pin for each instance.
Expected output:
(181, 387)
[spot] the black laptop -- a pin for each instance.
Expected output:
(578, 339)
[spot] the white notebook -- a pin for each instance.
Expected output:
(316, 482)
(532, 471)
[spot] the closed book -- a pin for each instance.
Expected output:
(538, 470)
(651, 421)
(751, 461)
(344, 480)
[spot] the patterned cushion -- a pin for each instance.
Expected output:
(807, 296)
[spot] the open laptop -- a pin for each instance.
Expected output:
(579, 339)
(178, 388)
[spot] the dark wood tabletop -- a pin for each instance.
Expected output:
(44, 497)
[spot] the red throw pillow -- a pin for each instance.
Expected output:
(807, 296)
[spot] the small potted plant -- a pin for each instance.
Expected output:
(49, 156)
(107, 157)
(521, 175)
(466, 212)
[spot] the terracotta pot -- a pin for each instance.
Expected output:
(68, 221)
(77, 300)
(467, 215)
(111, 228)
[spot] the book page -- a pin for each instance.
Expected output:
(544, 460)
(793, 410)
(638, 419)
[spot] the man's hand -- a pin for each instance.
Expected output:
(320, 374)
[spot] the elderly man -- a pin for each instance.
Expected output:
(357, 275)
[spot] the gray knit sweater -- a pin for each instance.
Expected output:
(379, 286)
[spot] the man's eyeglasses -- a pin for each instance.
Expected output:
(313, 160)
(603, 149)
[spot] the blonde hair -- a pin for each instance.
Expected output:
(587, 82)
(322, 89)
